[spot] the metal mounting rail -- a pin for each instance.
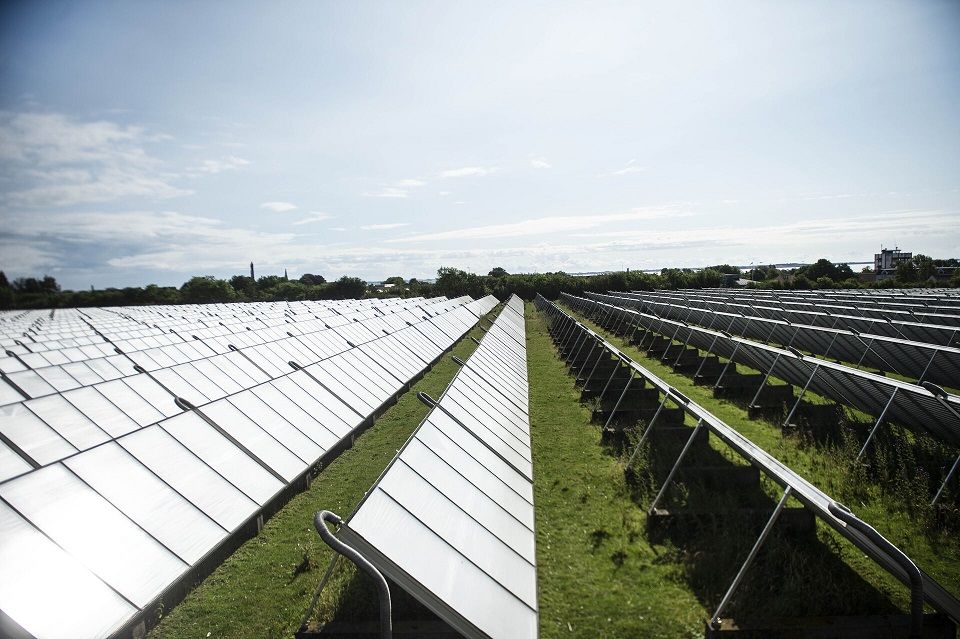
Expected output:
(567, 329)
(383, 589)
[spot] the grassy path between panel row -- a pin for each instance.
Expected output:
(598, 574)
(831, 468)
(263, 589)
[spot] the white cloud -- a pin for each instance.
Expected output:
(190, 245)
(468, 171)
(539, 162)
(313, 217)
(54, 160)
(836, 196)
(28, 257)
(389, 191)
(384, 227)
(337, 228)
(399, 189)
(631, 167)
(542, 226)
(279, 207)
(226, 163)
(445, 193)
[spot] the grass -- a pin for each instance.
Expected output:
(263, 589)
(598, 575)
(901, 516)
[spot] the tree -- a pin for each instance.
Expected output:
(289, 291)
(725, 268)
(6, 293)
(268, 281)
(906, 272)
(347, 288)
(207, 289)
(154, 294)
(925, 267)
(844, 272)
(453, 282)
(244, 285)
(313, 280)
(396, 280)
(418, 288)
(821, 268)
(498, 272)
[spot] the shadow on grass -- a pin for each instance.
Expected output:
(716, 511)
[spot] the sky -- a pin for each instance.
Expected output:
(148, 142)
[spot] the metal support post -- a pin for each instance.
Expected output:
(879, 421)
(753, 402)
(953, 469)
(705, 356)
(595, 362)
(581, 340)
(619, 399)
(796, 404)
(646, 431)
(672, 338)
(609, 379)
(726, 366)
(676, 465)
(715, 619)
(927, 367)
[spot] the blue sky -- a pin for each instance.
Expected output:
(151, 141)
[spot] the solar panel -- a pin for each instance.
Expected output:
(451, 519)
(122, 488)
(904, 327)
(919, 360)
(911, 405)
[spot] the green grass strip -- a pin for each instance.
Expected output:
(598, 575)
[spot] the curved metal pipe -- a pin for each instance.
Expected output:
(844, 514)
(319, 521)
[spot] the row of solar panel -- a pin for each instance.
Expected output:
(947, 299)
(451, 519)
(566, 331)
(136, 335)
(951, 316)
(917, 360)
(71, 367)
(139, 321)
(914, 406)
(935, 334)
(126, 331)
(57, 422)
(101, 535)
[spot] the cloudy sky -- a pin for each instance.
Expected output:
(151, 141)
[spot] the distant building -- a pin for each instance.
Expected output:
(886, 261)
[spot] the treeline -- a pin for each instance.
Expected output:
(453, 282)
(46, 293)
